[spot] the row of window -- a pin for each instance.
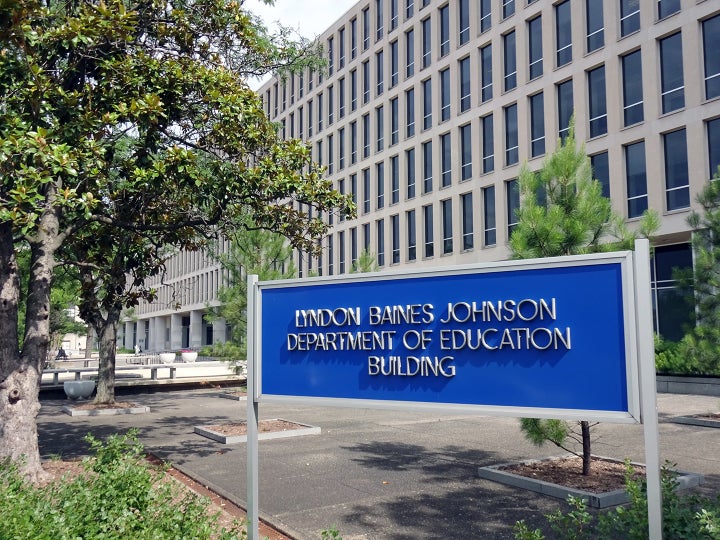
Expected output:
(628, 12)
(369, 186)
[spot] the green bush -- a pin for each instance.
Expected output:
(119, 496)
(697, 353)
(686, 516)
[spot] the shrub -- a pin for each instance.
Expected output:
(119, 495)
(686, 516)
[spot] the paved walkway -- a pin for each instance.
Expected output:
(374, 474)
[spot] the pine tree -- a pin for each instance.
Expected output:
(563, 212)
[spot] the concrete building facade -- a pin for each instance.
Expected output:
(428, 109)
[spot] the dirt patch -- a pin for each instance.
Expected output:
(604, 475)
(264, 426)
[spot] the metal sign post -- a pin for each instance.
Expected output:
(253, 487)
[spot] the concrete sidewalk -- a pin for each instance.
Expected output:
(374, 474)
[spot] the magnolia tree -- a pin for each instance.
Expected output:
(126, 128)
(563, 212)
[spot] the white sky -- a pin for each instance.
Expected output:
(308, 17)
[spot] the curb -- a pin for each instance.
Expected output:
(232, 439)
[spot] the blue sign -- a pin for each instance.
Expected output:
(528, 336)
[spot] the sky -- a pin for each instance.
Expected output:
(309, 17)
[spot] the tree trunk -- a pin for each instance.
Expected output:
(89, 342)
(107, 336)
(587, 455)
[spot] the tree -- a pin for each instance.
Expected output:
(700, 347)
(366, 262)
(127, 124)
(563, 212)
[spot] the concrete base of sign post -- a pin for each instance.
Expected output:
(136, 409)
(698, 420)
(594, 500)
(296, 430)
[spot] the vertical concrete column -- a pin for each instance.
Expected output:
(175, 332)
(127, 335)
(141, 326)
(196, 329)
(219, 327)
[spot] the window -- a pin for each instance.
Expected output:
(444, 13)
(366, 190)
(537, 125)
(319, 152)
(380, 230)
(512, 192)
(426, 42)
(508, 8)
(366, 135)
(331, 255)
(353, 90)
(395, 237)
(366, 236)
(445, 160)
(632, 88)
(341, 189)
(427, 103)
(672, 82)
(353, 142)
(341, 45)
(319, 112)
(409, 53)
(394, 66)
(713, 137)
(410, 173)
(331, 105)
(366, 28)
(563, 33)
(565, 108)
(667, 7)
(341, 249)
(393, 14)
(485, 18)
(601, 171)
(446, 210)
(331, 55)
(409, 8)
(353, 38)
(535, 56)
(366, 81)
(671, 311)
(594, 25)
(711, 58)
(466, 202)
(511, 134)
(353, 247)
(353, 188)
(464, 20)
(427, 167)
(301, 83)
(677, 180)
(380, 184)
(410, 226)
(488, 144)
(445, 95)
(341, 97)
(379, 72)
(629, 17)
(379, 19)
(428, 230)
(489, 226)
(597, 101)
(394, 122)
(380, 128)
(394, 180)
(330, 154)
(509, 62)
(301, 121)
(465, 152)
(292, 89)
(410, 112)
(486, 73)
(310, 119)
(636, 178)
(465, 97)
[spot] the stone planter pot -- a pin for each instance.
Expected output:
(78, 389)
(167, 357)
(189, 356)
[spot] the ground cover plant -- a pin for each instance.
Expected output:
(686, 516)
(118, 495)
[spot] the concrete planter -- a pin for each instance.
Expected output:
(678, 384)
(78, 389)
(189, 356)
(167, 357)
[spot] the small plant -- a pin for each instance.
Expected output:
(119, 495)
(330, 534)
(685, 516)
